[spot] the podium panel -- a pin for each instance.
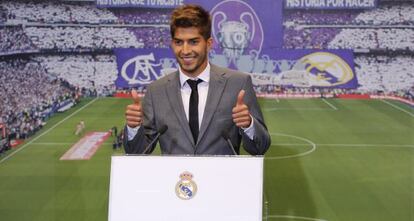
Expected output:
(182, 188)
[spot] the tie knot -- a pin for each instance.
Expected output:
(193, 83)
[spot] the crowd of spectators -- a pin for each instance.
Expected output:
(322, 17)
(50, 11)
(385, 28)
(3, 15)
(64, 38)
(61, 37)
(53, 12)
(17, 39)
(401, 13)
(26, 94)
(385, 73)
(385, 39)
(350, 38)
(13, 39)
(96, 72)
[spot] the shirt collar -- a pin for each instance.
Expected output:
(204, 75)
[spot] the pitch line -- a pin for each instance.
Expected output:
(296, 217)
(330, 105)
(47, 131)
(314, 145)
(313, 148)
(347, 145)
(47, 144)
(298, 108)
(398, 108)
(56, 143)
(367, 145)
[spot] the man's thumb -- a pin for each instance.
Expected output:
(135, 96)
(240, 97)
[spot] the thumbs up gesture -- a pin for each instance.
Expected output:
(241, 114)
(133, 113)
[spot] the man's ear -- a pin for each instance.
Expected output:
(210, 43)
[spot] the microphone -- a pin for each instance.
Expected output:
(160, 132)
(226, 136)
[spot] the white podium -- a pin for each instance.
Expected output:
(182, 188)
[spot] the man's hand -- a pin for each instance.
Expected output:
(133, 113)
(241, 114)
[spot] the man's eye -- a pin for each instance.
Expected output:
(194, 42)
(178, 42)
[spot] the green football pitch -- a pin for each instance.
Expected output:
(330, 159)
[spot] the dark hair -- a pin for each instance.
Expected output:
(190, 15)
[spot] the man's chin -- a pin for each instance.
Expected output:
(188, 69)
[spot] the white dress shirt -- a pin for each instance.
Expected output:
(202, 88)
(202, 99)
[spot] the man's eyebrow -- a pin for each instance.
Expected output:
(191, 39)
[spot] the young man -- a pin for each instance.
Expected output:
(202, 115)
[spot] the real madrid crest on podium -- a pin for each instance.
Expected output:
(186, 188)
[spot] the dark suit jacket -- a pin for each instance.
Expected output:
(162, 105)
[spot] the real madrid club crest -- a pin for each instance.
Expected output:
(326, 69)
(186, 188)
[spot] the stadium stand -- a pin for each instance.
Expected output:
(401, 13)
(3, 15)
(57, 12)
(385, 39)
(388, 13)
(312, 17)
(385, 73)
(27, 95)
(13, 39)
(83, 71)
(63, 38)
(381, 39)
(351, 29)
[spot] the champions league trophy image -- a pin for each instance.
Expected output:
(234, 37)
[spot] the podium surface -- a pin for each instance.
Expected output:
(181, 188)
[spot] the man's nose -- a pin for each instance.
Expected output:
(186, 48)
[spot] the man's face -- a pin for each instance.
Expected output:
(191, 50)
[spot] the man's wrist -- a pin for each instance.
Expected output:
(132, 131)
(251, 124)
(250, 131)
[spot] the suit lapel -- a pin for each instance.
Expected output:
(215, 90)
(176, 102)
